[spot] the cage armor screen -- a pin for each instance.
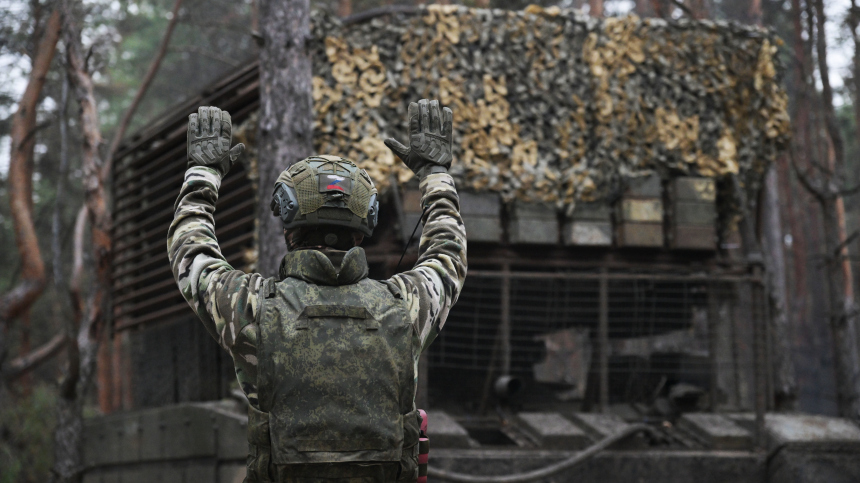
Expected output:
(326, 190)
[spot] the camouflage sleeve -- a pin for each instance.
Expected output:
(431, 288)
(223, 298)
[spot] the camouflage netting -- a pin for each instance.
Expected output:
(549, 104)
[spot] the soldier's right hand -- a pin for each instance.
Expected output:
(210, 133)
(430, 138)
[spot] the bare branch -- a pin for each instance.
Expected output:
(806, 182)
(837, 252)
(849, 191)
(24, 364)
(31, 135)
(683, 8)
(141, 91)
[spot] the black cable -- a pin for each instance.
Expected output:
(409, 241)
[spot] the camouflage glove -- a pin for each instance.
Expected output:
(210, 133)
(430, 139)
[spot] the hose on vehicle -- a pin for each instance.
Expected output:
(546, 471)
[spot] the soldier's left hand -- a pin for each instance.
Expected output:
(210, 133)
(430, 138)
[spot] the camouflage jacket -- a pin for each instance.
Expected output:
(227, 300)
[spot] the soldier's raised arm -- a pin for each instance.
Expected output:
(431, 288)
(224, 299)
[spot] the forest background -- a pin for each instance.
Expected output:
(212, 38)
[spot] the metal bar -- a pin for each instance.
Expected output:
(163, 272)
(505, 328)
(759, 358)
(159, 246)
(768, 347)
(161, 256)
(603, 341)
(161, 314)
(561, 258)
(713, 320)
(164, 203)
(610, 276)
(149, 288)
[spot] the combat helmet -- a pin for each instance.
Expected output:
(326, 191)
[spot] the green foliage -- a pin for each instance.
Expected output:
(26, 437)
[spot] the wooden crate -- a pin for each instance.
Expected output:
(693, 214)
(533, 223)
(590, 225)
(481, 214)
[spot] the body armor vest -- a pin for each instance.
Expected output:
(336, 379)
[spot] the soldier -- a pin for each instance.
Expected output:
(327, 357)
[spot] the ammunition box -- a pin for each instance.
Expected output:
(694, 189)
(643, 187)
(482, 216)
(648, 210)
(533, 223)
(633, 234)
(587, 233)
(694, 213)
(694, 237)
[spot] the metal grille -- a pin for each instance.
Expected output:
(147, 179)
(567, 335)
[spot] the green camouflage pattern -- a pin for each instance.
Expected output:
(335, 354)
(227, 301)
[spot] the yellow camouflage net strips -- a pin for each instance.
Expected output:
(549, 104)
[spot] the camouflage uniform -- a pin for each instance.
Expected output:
(228, 301)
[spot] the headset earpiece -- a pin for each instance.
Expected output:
(285, 204)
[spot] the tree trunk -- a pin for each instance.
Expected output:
(699, 9)
(785, 380)
(23, 129)
(595, 8)
(344, 8)
(662, 8)
(68, 433)
(105, 366)
(68, 464)
(754, 13)
(784, 376)
(843, 317)
(643, 8)
(286, 113)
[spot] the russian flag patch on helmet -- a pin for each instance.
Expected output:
(335, 183)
